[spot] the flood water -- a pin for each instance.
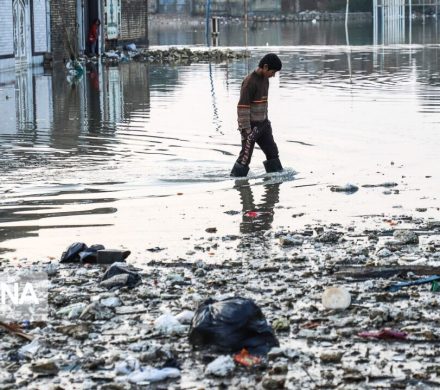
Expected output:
(139, 155)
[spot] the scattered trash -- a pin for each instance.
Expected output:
(291, 240)
(256, 214)
(246, 359)
(119, 275)
(130, 47)
(231, 325)
(45, 367)
(95, 312)
(151, 374)
(281, 324)
(127, 366)
(386, 185)
(71, 255)
(386, 272)
(435, 286)
(79, 252)
(168, 324)
(185, 317)
(336, 298)
(222, 366)
(329, 237)
(386, 334)
(348, 188)
(211, 230)
(109, 256)
(111, 302)
(16, 330)
(29, 350)
(398, 286)
(331, 356)
(406, 237)
(72, 311)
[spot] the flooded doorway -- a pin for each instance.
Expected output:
(87, 12)
(21, 20)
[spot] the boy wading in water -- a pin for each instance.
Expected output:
(253, 122)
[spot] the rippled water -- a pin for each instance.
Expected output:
(139, 155)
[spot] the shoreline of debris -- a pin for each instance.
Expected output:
(303, 16)
(173, 55)
(110, 332)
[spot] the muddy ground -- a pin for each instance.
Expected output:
(285, 273)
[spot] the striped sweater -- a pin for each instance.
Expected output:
(252, 106)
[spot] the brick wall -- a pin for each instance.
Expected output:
(63, 28)
(40, 26)
(134, 21)
(6, 28)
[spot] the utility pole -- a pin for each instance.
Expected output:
(245, 24)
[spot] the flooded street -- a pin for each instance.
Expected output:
(139, 155)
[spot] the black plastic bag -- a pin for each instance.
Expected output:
(231, 325)
(79, 252)
(116, 269)
(71, 255)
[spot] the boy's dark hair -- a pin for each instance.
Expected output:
(272, 61)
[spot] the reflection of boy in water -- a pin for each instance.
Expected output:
(253, 121)
(263, 220)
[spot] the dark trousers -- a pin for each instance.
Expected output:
(260, 133)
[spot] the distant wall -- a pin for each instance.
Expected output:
(236, 7)
(134, 24)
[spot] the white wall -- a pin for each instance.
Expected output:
(40, 26)
(6, 28)
(7, 98)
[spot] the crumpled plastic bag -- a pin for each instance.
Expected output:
(80, 252)
(119, 275)
(231, 325)
(385, 334)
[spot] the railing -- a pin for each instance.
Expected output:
(413, 3)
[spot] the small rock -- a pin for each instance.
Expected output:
(331, 356)
(281, 324)
(406, 237)
(336, 298)
(273, 382)
(384, 252)
(289, 240)
(222, 366)
(44, 367)
(329, 237)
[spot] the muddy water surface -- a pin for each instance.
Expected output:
(139, 155)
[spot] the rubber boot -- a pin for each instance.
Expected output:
(239, 170)
(273, 165)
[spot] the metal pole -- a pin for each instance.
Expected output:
(207, 12)
(347, 39)
(410, 21)
(346, 23)
(245, 23)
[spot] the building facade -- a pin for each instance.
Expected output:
(24, 33)
(122, 21)
(31, 28)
